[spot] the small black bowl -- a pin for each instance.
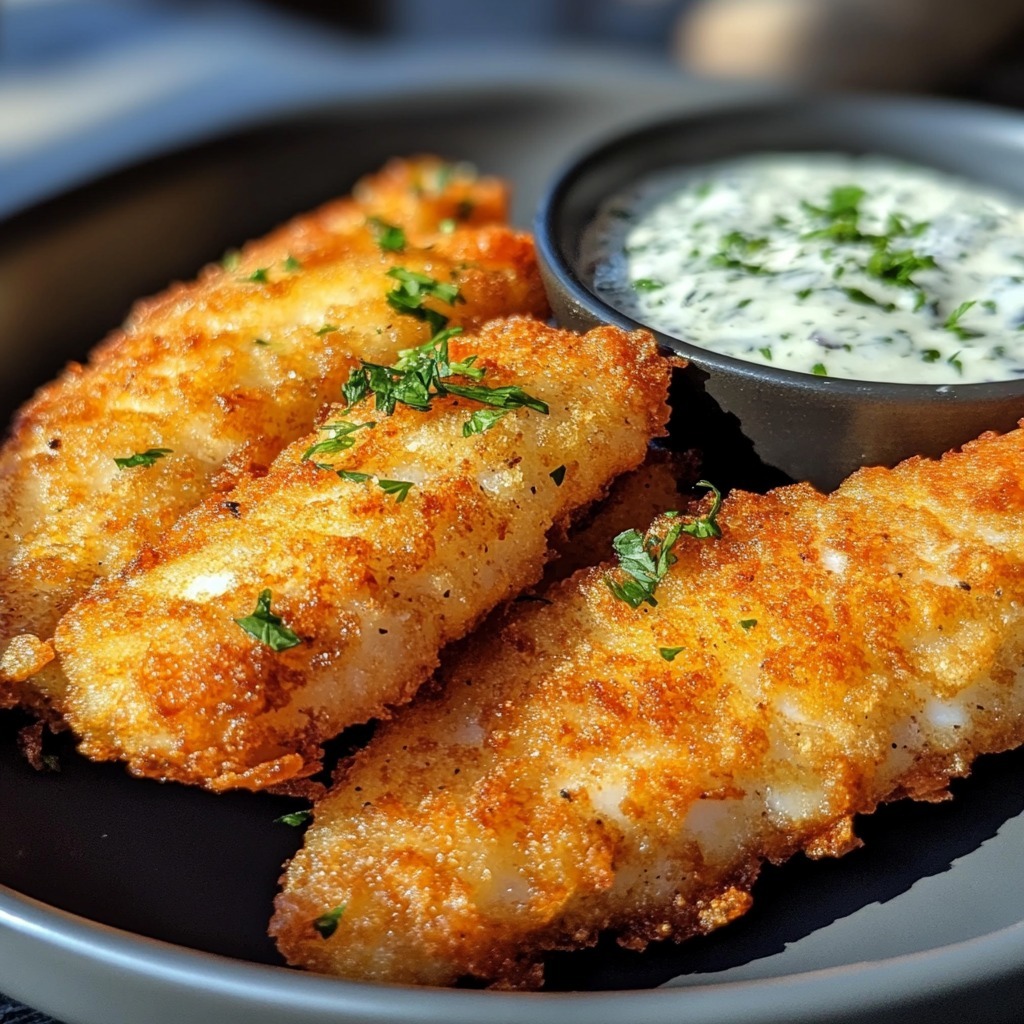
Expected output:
(818, 429)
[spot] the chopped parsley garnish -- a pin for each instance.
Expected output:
(647, 284)
(267, 627)
(327, 924)
(291, 264)
(842, 214)
(818, 369)
(482, 420)
(931, 355)
(407, 296)
(862, 297)
(896, 268)
(422, 374)
(736, 247)
(296, 819)
(952, 322)
(326, 329)
(354, 476)
(390, 237)
(646, 560)
(399, 488)
(954, 361)
(558, 475)
(260, 275)
(339, 438)
(146, 458)
(766, 352)
(748, 624)
(669, 653)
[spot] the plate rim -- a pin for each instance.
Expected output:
(304, 996)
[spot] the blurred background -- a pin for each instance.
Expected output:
(87, 85)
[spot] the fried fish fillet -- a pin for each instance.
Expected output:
(161, 675)
(223, 373)
(599, 767)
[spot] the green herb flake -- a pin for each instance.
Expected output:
(291, 264)
(804, 293)
(231, 260)
(954, 361)
(267, 627)
(260, 341)
(989, 306)
(896, 268)
(412, 288)
(748, 624)
(863, 299)
(146, 458)
(558, 475)
(447, 226)
(669, 653)
(647, 284)
(481, 420)
(399, 488)
(327, 924)
(427, 372)
(646, 559)
(952, 323)
(736, 247)
(818, 369)
(260, 275)
(766, 352)
(354, 476)
(326, 329)
(390, 237)
(296, 819)
(339, 438)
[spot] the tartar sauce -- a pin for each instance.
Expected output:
(857, 267)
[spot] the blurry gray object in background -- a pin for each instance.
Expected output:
(639, 23)
(889, 44)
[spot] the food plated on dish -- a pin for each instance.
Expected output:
(616, 625)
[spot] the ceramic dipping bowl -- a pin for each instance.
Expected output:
(818, 429)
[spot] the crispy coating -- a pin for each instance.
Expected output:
(225, 372)
(160, 675)
(567, 779)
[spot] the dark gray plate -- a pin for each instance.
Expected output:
(128, 902)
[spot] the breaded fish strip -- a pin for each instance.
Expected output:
(161, 676)
(603, 767)
(226, 371)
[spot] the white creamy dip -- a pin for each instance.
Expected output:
(857, 267)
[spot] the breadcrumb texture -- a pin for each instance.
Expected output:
(225, 372)
(160, 675)
(566, 779)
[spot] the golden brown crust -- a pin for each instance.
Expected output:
(226, 371)
(160, 675)
(567, 779)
